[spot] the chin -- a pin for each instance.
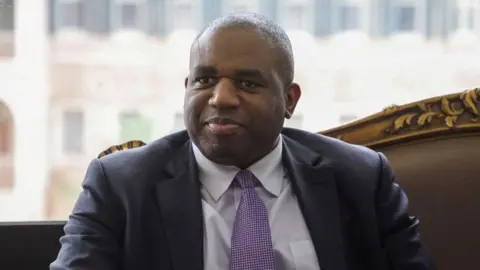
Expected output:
(219, 151)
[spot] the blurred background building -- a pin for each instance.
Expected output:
(77, 76)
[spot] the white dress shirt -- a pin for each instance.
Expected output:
(220, 198)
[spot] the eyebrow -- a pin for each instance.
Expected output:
(250, 73)
(205, 70)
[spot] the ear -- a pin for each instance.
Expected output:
(292, 95)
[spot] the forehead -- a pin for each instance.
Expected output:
(233, 48)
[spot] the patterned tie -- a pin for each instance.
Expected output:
(252, 247)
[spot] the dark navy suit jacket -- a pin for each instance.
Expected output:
(140, 209)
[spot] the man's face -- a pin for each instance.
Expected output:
(235, 101)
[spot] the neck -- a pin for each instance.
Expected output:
(239, 160)
(244, 163)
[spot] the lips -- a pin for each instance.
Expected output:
(222, 121)
(222, 126)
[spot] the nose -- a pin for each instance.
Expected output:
(224, 95)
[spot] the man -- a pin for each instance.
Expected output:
(236, 190)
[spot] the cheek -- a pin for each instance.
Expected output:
(264, 111)
(193, 106)
(276, 113)
(275, 107)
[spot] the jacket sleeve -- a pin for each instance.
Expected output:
(92, 233)
(399, 231)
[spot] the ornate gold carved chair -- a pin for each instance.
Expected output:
(434, 148)
(120, 147)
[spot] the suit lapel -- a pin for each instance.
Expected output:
(313, 181)
(179, 199)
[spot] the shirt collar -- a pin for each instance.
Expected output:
(217, 178)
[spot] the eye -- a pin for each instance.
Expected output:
(205, 80)
(247, 85)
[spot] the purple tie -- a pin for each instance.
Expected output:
(252, 247)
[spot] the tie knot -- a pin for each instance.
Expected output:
(245, 179)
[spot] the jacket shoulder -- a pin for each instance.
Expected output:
(327, 146)
(358, 168)
(137, 153)
(348, 157)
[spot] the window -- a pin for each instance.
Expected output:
(6, 15)
(73, 125)
(409, 15)
(130, 14)
(70, 13)
(405, 18)
(349, 17)
(134, 126)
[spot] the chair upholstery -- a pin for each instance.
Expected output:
(434, 148)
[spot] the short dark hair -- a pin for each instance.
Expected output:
(267, 29)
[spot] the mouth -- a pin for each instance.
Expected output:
(222, 126)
